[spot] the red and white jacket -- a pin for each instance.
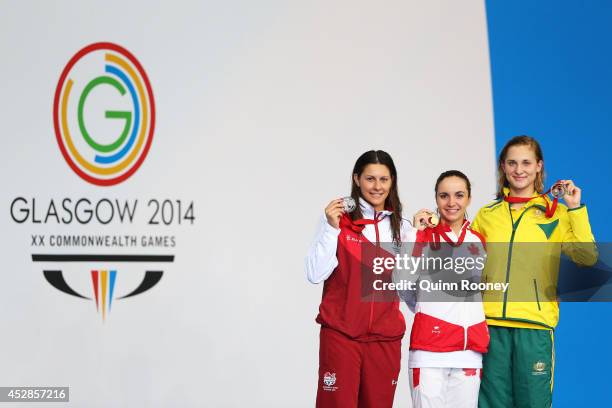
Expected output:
(343, 258)
(450, 334)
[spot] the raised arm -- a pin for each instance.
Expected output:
(321, 259)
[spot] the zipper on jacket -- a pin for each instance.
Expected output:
(376, 230)
(510, 245)
(535, 287)
(376, 215)
(371, 295)
(509, 259)
(377, 253)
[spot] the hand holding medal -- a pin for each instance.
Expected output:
(425, 218)
(567, 190)
(349, 204)
(337, 207)
(558, 190)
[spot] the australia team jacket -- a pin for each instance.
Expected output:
(524, 248)
(343, 259)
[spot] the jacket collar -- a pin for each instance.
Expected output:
(368, 211)
(537, 198)
(441, 227)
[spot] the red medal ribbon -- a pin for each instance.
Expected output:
(432, 236)
(550, 209)
(442, 231)
(359, 225)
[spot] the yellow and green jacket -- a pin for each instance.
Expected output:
(524, 249)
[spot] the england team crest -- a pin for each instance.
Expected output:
(329, 379)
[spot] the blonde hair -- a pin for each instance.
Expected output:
(522, 140)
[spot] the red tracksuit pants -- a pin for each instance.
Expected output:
(356, 374)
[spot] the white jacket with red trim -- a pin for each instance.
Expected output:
(342, 258)
(451, 334)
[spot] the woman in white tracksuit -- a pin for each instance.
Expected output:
(449, 332)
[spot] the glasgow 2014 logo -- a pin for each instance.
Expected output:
(97, 76)
(104, 118)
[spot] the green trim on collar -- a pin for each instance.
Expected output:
(494, 203)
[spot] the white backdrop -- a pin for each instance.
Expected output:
(262, 109)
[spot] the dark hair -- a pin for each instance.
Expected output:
(392, 201)
(523, 140)
(454, 173)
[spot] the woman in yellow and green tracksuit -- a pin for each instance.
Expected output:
(526, 232)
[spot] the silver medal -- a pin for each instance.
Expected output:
(349, 204)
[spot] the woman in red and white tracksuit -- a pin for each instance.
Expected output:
(449, 332)
(359, 354)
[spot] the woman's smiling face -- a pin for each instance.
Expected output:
(452, 199)
(521, 167)
(374, 184)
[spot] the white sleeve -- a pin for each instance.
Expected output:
(321, 259)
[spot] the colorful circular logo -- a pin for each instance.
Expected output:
(104, 113)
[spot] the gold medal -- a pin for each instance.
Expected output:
(432, 220)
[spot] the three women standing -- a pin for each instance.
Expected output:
(525, 231)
